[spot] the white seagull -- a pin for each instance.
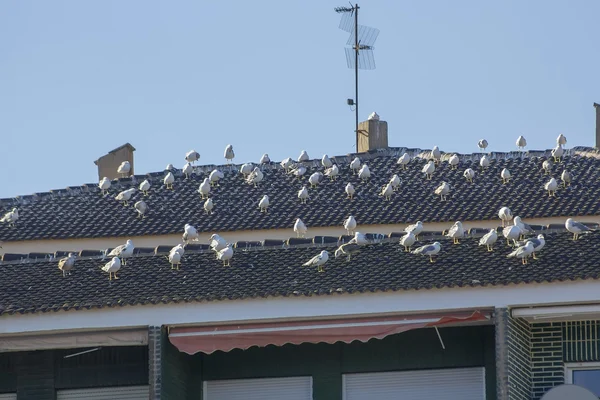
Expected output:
(364, 172)
(350, 225)
(566, 178)
(141, 207)
(404, 160)
(484, 162)
(168, 181)
(214, 177)
(511, 232)
(443, 191)
(263, 204)
(505, 215)
(489, 239)
(525, 228)
(255, 177)
(359, 238)
(175, 256)
(125, 196)
(246, 169)
(265, 159)
(453, 161)
(428, 250)
(561, 140)
(469, 174)
(229, 154)
(407, 241)
(347, 249)
(551, 187)
(355, 164)
(538, 244)
(395, 182)
(303, 156)
(521, 142)
(522, 252)
(66, 264)
(436, 155)
(216, 242)
(192, 156)
(547, 167)
(287, 164)
(298, 172)
(557, 152)
(124, 168)
(112, 267)
(325, 161)
(104, 185)
(209, 205)
(10, 217)
(456, 232)
(318, 261)
(187, 170)
(576, 228)
(190, 234)
(225, 255)
(300, 228)
(387, 191)
(303, 195)
(315, 179)
(482, 144)
(204, 188)
(416, 228)
(145, 186)
(428, 169)
(350, 190)
(123, 251)
(332, 172)
(505, 175)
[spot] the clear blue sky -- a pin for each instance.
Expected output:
(79, 78)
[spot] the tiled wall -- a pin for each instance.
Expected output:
(519, 356)
(547, 365)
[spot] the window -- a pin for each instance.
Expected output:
(586, 375)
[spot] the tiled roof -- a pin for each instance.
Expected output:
(78, 212)
(255, 272)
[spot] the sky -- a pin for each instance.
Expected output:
(80, 78)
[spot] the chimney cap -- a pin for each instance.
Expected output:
(596, 105)
(374, 116)
(126, 145)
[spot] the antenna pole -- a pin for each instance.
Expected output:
(356, 69)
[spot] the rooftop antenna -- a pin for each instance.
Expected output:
(360, 55)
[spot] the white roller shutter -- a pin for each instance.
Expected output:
(451, 383)
(8, 396)
(108, 393)
(296, 388)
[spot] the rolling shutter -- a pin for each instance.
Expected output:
(8, 396)
(296, 388)
(108, 393)
(451, 383)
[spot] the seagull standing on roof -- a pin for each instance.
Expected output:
(332, 172)
(355, 165)
(145, 186)
(428, 169)
(66, 264)
(225, 255)
(576, 228)
(141, 207)
(209, 205)
(299, 171)
(525, 229)
(112, 267)
(521, 143)
(469, 174)
(522, 252)
(325, 161)
(300, 228)
(175, 256)
(315, 179)
(484, 162)
(505, 215)
(374, 116)
(407, 241)
(387, 191)
(169, 167)
(416, 228)
(124, 169)
(561, 140)
(436, 155)
(303, 195)
(547, 167)
(229, 154)
(364, 172)
(511, 232)
(168, 181)
(125, 196)
(395, 182)
(303, 156)
(482, 144)
(428, 250)
(453, 161)
(350, 225)
(505, 175)
(456, 232)
(204, 188)
(190, 234)
(318, 261)
(350, 190)
(538, 244)
(551, 186)
(255, 177)
(557, 152)
(11, 217)
(403, 160)
(287, 164)
(214, 177)
(246, 169)
(187, 170)
(104, 185)
(265, 159)
(443, 191)
(192, 156)
(566, 178)
(263, 204)
(123, 251)
(347, 249)
(359, 238)
(489, 239)
(216, 242)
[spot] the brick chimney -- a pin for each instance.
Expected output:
(597, 107)
(372, 134)
(108, 164)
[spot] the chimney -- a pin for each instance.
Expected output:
(108, 164)
(372, 134)
(597, 107)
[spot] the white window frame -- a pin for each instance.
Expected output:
(205, 383)
(578, 366)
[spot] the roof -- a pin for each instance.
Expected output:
(29, 286)
(82, 212)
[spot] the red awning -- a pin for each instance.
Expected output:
(208, 339)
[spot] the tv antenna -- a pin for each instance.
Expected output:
(360, 55)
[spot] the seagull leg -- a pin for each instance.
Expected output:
(534, 257)
(490, 248)
(348, 259)
(431, 259)
(456, 241)
(320, 269)
(116, 277)
(109, 276)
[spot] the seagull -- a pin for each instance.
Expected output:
(112, 267)
(104, 185)
(190, 234)
(576, 228)
(303, 156)
(355, 164)
(325, 161)
(187, 170)
(407, 241)
(436, 155)
(169, 167)
(303, 195)
(216, 242)
(359, 238)
(315, 179)
(66, 264)
(505, 175)
(489, 239)
(538, 244)
(350, 225)
(505, 215)
(300, 228)
(428, 250)
(125, 196)
(168, 181)
(141, 207)
(566, 178)
(395, 182)
(287, 164)
(124, 168)
(11, 217)
(551, 187)
(443, 191)
(561, 140)
(482, 144)
(350, 190)
(265, 159)
(469, 174)
(521, 142)
(525, 229)
(374, 116)
(123, 251)
(428, 169)
(511, 232)
(298, 172)
(229, 154)
(263, 204)
(522, 252)
(364, 172)
(547, 167)
(225, 255)
(204, 188)
(453, 161)
(332, 172)
(484, 162)
(175, 256)
(145, 186)
(416, 228)
(557, 152)
(192, 156)
(347, 249)
(456, 232)
(319, 260)
(255, 177)
(209, 205)
(246, 169)
(387, 191)
(404, 160)
(214, 177)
